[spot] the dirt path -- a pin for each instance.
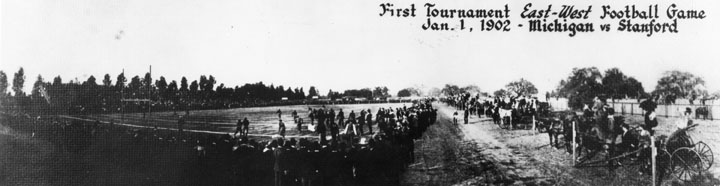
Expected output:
(526, 157)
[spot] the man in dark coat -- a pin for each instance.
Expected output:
(368, 121)
(238, 128)
(467, 114)
(246, 127)
(351, 117)
(341, 118)
(361, 121)
(279, 167)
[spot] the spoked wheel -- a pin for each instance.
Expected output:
(686, 163)
(705, 153)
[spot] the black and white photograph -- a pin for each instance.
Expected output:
(359, 92)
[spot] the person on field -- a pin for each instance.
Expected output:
(351, 117)
(239, 127)
(246, 127)
(311, 115)
(368, 121)
(455, 118)
(341, 118)
(361, 121)
(299, 124)
(466, 116)
(279, 113)
(651, 122)
(281, 128)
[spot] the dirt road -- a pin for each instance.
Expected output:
(523, 157)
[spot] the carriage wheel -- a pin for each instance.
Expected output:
(686, 163)
(705, 153)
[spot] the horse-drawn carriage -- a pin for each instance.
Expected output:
(677, 155)
(523, 118)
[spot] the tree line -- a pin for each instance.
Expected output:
(108, 94)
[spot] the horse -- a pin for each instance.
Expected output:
(503, 113)
(701, 111)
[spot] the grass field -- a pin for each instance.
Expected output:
(263, 120)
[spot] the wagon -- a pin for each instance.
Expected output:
(687, 157)
(678, 154)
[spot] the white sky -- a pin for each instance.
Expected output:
(332, 44)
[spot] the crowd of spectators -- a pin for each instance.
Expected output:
(188, 158)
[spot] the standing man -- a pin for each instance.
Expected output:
(351, 117)
(246, 127)
(368, 120)
(279, 154)
(281, 128)
(279, 113)
(467, 114)
(649, 106)
(299, 123)
(321, 128)
(239, 127)
(361, 121)
(311, 114)
(341, 118)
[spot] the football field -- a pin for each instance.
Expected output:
(263, 120)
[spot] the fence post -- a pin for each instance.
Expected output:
(666, 111)
(533, 121)
(631, 109)
(653, 151)
(574, 153)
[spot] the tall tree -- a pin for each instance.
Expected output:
(194, 86)
(147, 81)
(172, 90)
(312, 92)
(617, 85)
(57, 80)
(3, 83)
(501, 93)
(451, 90)
(161, 85)
(134, 86)
(210, 83)
(380, 92)
(472, 89)
(90, 81)
(407, 92)
(19, 82)
(106, 81)
(581, 86)
(183, 84)
(36, 86)
(120, 80)
(521, 87)
(681, 84)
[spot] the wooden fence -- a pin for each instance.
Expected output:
(673, 110)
